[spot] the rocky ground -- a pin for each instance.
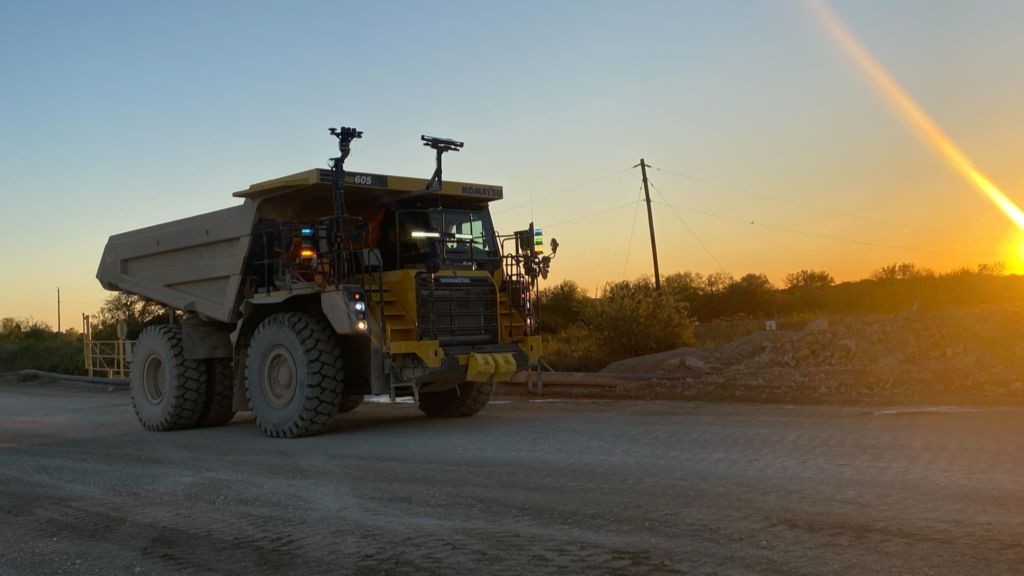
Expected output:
(541, 486)
(974, 356)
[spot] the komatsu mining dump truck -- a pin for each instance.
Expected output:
(324, 286)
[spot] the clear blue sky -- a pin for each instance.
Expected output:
(117, 115)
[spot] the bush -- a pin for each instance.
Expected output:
(562, 306)
(26, 344)
(634, 318)
(628, 319)
(51, 356)
(574, 350)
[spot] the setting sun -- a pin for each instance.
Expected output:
(1015, 261)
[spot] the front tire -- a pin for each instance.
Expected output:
(466, 399)
(168, 391)
(293, 375)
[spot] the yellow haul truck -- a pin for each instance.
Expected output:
(327, 285)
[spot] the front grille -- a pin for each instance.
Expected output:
(457, 309)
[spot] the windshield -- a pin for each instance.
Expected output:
(458, 236)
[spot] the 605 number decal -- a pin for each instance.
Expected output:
(374, 180)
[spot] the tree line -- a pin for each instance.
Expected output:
(625, 319)
(630, 317)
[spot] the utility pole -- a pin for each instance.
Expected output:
(58, 309)
(87, 342)
(650, 222)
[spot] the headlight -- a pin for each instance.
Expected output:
(360, 306)
(362, 325)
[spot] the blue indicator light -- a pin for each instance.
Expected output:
(307, 232)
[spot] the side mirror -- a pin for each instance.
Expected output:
(554, 246)
(545, 265)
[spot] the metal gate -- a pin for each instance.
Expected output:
(110, 358)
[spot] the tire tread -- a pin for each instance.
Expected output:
(464, 400)
(324, 365)
(187, 385)
(219, 409)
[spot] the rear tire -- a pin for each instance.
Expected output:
(466, 399)
(168, 391)
(220, 393)
(293, 375)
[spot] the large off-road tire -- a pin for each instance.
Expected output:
(218, 409)
(168, 391)
(293, 375)
(466, 399)
(350, 402)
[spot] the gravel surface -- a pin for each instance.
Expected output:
(555, 487)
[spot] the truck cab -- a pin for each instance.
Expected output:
(430, 263)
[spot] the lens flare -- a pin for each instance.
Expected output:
(901, 101)
(1016, 263)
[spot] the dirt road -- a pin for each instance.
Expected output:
(524, 488)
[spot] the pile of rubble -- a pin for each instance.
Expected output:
(913, 355)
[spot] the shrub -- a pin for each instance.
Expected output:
(575, 349)
(562, 306)
(28, 344)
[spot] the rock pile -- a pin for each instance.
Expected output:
(954, 352)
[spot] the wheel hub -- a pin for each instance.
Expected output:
(279, 377)
(154, 379)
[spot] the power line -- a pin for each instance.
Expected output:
(821, 208)
(632, 230)
(687, 226)
(569, 189)
(588, 215)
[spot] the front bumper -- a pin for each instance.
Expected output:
(485, 363)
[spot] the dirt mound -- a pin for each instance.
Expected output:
(913, 354)
(695, 361)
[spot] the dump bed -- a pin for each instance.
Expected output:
(193, 264)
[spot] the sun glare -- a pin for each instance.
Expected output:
(929, 131)
(1015, 265)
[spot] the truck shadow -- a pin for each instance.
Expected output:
(362, 419)
(367, 418)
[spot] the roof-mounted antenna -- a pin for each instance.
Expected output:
(345, 136)
(440, 145)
